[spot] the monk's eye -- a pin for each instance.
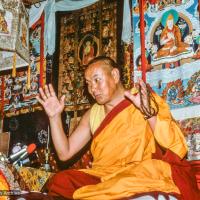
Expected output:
(97, 80)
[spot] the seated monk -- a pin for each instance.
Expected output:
(170, 39)
(124, 140)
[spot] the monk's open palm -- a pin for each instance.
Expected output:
(50, 102)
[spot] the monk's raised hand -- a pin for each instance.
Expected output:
(50, 102)
(138, 92)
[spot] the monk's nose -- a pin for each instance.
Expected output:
(93, 87)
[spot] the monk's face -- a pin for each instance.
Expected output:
(101, 82)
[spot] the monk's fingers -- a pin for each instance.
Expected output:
(51, 90)
(40, 100)
(46, 89)
(143, 88)
(42, 94)
(62, 99)
(142, 84)
(144, 93)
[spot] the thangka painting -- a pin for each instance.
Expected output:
(172, 42)
(17, 98)
(190, 128)
(18, 93)
(84, 34)
(127, 69)
(13, 34)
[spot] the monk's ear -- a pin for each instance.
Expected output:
(115, 74)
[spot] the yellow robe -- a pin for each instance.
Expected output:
(4, 186)
(122, 154)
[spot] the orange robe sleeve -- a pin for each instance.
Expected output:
(167, 133)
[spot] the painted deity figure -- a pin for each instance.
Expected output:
(3, 23)
(88, 52)
(170, 38)
(196, 91)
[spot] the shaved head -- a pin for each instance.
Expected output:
(107, 61)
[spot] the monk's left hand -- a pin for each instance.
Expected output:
(134, 95)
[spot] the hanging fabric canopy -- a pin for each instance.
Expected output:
(51, 7)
